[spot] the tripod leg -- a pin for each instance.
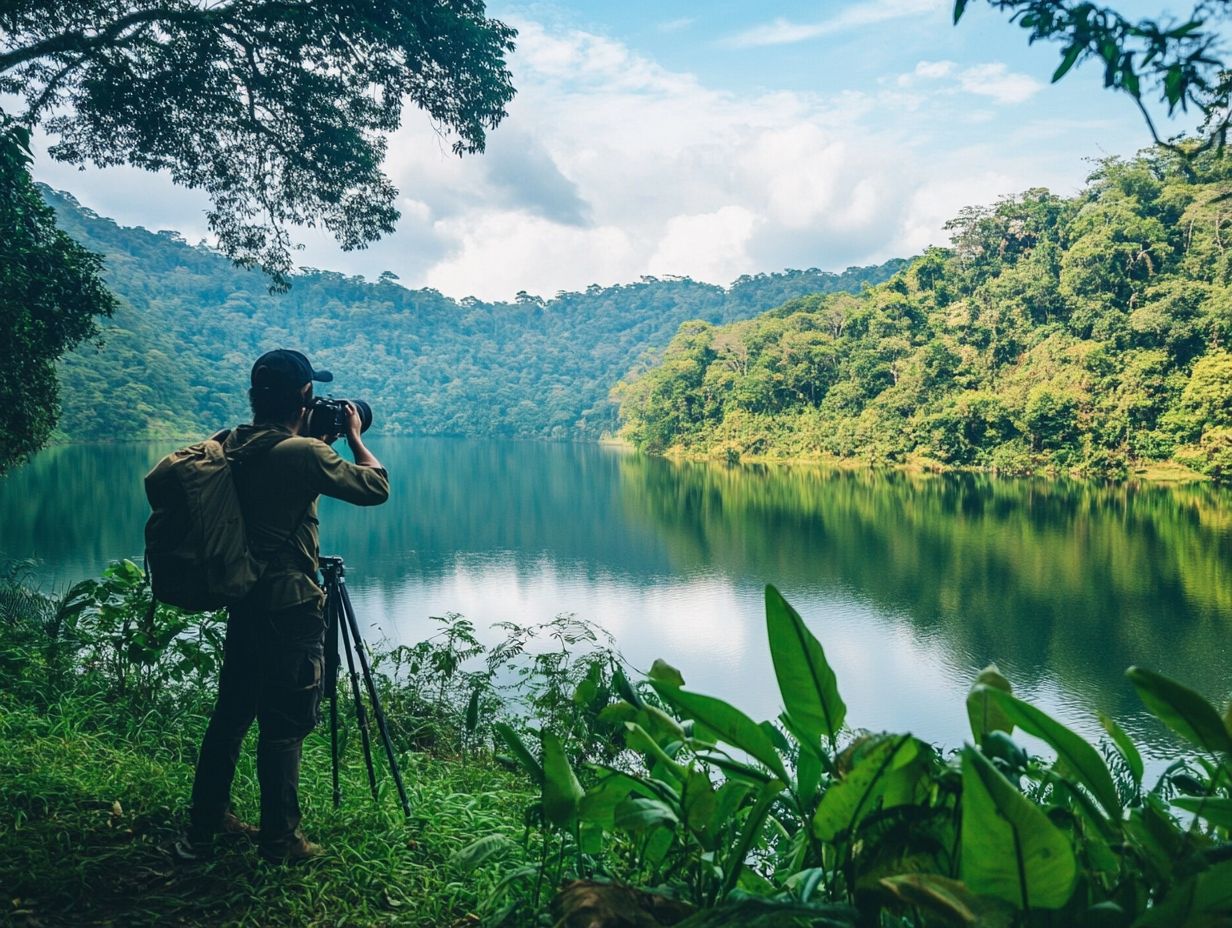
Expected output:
(361, 714)
(332, 611)
(349, 613)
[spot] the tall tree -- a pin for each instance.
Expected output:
(50, 295)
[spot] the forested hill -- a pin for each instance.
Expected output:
(1087, 334)
(175, 357)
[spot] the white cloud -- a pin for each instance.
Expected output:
(707, 246)
(782, 31)
(498, 254)
(998, 82)
(993, 79)
(610, 166)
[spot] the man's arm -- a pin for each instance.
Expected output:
(363, 483)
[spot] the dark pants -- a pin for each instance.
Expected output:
(271, 671)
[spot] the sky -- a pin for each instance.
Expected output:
(710, 141)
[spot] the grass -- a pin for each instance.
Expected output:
(91, 799)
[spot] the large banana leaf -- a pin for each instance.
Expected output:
(984, 714)
(1010, 849)
(726, 721)
(857, 793)
(1182, 710)
(1075, 754)
(806, 680)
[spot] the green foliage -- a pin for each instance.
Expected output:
(192, 324)
(714, 809)
(50, 297)
(292, 101)
(1086, 335)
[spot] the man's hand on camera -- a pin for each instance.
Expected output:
(363, 457)
(354, 425)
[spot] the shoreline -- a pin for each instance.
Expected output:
(1160, 472)
(1157, 472)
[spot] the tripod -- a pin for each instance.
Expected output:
(340, 623)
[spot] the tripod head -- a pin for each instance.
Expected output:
(331, 567)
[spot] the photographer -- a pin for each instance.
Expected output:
(274, 654)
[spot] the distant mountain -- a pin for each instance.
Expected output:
(175, 358)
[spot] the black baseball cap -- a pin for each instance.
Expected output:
(283, 368)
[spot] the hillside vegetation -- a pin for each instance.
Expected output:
(1088, 334)
(174, 359)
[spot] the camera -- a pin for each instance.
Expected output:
(328, 416)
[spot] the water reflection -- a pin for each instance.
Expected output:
(912, 582)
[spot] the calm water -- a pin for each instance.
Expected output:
(912, 583)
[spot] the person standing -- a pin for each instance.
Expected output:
(273, 658)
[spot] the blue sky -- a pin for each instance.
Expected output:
(712, 141)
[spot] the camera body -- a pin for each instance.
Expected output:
(328, 416)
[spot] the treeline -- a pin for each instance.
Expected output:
(1087, 334)
(174, 359)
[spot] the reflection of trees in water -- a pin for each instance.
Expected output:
(77, 506)
(1070, 578)
(1076, 579)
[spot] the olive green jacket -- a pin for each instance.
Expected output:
(278, 489)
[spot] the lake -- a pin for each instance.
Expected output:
(911, 582)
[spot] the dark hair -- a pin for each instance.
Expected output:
(275, 404)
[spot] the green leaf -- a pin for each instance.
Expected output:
(472, 711)
(983, 714)
(562, 793)
(1067, 61)
(856, 794)
(639, 814)
(625, 689)
(1174, 85)
(806, 680)
(1077, 756)
(1203, 900)
(1215, 809)
(520, 751)
(599, 804)
(725, 720)
(698, 802)
(960, 7)
(639, 739)
(749, 833)
(1182, 710)
(1126, 746)
(1010, 849)
(949, 899)
(664, 672)
(481, 850)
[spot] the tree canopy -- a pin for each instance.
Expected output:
(278, 109)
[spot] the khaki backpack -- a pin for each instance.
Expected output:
(197, 552)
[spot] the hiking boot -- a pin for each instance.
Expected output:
(232, 826)
(191, 850)
(197, 844)
(294, 851)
